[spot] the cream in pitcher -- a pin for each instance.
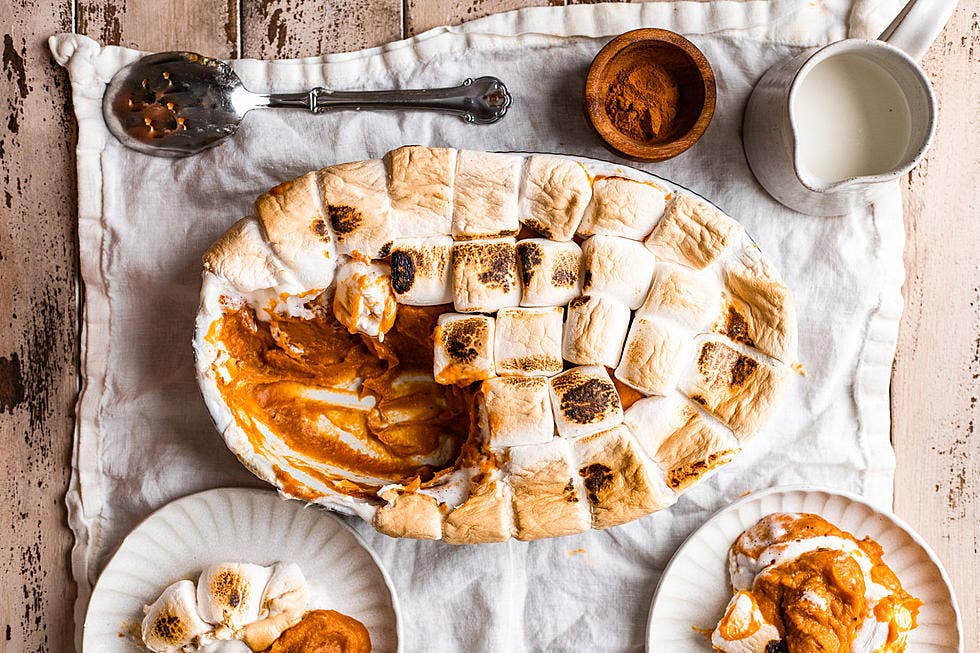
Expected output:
(852, 118)
(826, 131)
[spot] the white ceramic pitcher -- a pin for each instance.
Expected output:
(780, 153)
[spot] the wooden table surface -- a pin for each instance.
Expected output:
(936, 376)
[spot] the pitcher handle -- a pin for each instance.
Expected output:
(918, 25)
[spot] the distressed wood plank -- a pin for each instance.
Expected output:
(38, 347)
(210, 28)
(936, 377)
(38, 268)
(274, 29)
(421, 15)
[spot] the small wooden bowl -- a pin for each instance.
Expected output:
(682, 62)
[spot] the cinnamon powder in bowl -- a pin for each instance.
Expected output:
(650, 94)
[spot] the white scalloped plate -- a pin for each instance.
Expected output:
(241, 525)
(695, 587)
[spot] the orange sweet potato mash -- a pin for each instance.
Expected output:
(287, 376)
(784, 594)
(324, 631)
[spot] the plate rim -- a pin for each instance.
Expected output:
(270, 492)
(810, 489)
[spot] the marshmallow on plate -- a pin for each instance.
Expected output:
(584, 401)
(548, 496)
(550, 271)
(689, 297)
(420, 185)
(298, 230)
(734, 384)
(286, 591)
(485, 275)
(654, 355)
(595, 328)
(619, 484)
(421, 270)
(463, 349)
(485, 195)
(618, 267)
(623, 207)
(674, 433)
(746, 626)
(363, 300)
(355, 196)
(283, 603)
(527, 341)
(554, 194)
(172, 621)
(692, 232)
(230, 594)
(516, 410)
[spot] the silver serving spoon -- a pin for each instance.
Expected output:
(179, 103)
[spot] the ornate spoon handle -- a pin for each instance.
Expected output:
(482, 101)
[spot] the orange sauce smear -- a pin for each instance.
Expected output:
(275, 367)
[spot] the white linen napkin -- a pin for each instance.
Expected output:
(143, 436)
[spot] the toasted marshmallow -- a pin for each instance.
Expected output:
(485, 275)
(355, 196)
(230, 594)
(172, 621)
(692, 232)
(554, 194)
(286, 591)
(623, 207)
(408, 514)
(619, 484)
(516, 410)
(298, 230)
(420, 185)
(550, 271)
(654, 356)
(584, 401)
(744, 628)
(421, 273)
(463, 349)
(527, 341)
(486, 515)
(485, 196)
(242, 257)
(284, 601)
(689, 297)
(363, 300)
(758, 310)
(549, 500)
(595, 329)
(733, 384)
(673, 432)
(617, 267)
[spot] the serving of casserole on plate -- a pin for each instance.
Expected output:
(810, 569)
(473, 346)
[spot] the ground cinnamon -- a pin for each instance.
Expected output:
(642, 101)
